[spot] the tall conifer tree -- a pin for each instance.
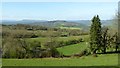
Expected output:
(95, 34)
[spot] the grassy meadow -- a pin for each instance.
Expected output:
(73, 49)
(101, 60)
(42, 46)
(43, 39)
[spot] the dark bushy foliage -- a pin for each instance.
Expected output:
(83, 53)
(63, 43)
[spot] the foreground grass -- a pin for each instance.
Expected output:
(0, 62)
(101, 60)
(72, 49)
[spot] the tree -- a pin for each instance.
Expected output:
(116, 42)
(95, 34)
(116, 27)
(104, 39)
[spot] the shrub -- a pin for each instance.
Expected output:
(95, 55)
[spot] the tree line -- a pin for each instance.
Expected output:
(33, 31)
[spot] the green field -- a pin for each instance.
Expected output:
(44, 39)
(101, 60)
(72, 49)
(71, 28)
(0, 62)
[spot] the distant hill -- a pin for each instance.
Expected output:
(24, 21)
(88, 22)
(57, 23)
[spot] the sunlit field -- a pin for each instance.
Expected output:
(101, 60)
(73, 49)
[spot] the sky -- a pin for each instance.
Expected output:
(58, 10)
(59, 0)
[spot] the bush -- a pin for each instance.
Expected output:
(95, 55)
(84, 53)
(62, 43)
(50, 52)
(19, 48)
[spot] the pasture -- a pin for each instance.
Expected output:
(101, 60)
(44, 39)
(72, 49)
(67, 50)
(71, 28)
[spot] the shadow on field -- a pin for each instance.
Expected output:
(111, 52)
(60, 67)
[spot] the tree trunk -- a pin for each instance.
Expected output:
(104, 51)
(116, 48)
(94, 52)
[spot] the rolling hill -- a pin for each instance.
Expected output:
(84, 24)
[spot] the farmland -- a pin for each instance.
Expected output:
(71, 46)
(72, 49)
(68, 45)
(101, 60)
(44, 39)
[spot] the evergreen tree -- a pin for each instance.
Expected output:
(105, 40)
(95, 34)
(116, 42)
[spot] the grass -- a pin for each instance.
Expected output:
(101, 60)
(72, 49)
(70, 28)
(0, 62)
(44, 39)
